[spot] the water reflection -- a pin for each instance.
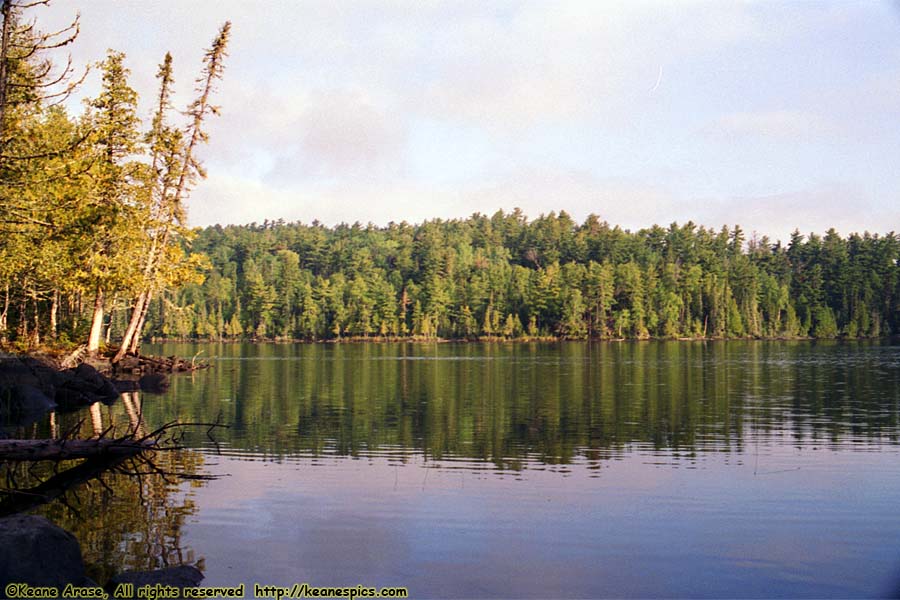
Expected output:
(519, 470)
(127, 513)
(550, 403)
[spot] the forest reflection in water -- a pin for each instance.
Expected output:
(408, 463)
(541, 402)
(127, 513)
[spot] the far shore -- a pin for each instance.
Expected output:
(503, 340)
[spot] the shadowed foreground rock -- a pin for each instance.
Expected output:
(35, 551)
(29, 387)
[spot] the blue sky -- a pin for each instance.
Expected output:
(773, 115)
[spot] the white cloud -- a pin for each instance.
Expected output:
(290, 137)
(781, 125)
(844, 207)
(324, 104)
(629, 204)
(343, 133)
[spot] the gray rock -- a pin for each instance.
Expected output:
(154, 383)
(99, 384)
(48, 377)
(179, 577)
(22, 403)
(35, 551)
(83, 386)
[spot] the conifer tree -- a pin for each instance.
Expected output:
(176, 169)
(111, 211)
(30, 155)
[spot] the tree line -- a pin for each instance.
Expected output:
(508, 277)
(92, 211)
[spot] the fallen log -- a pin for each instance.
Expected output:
(33, 450)
(138, 363)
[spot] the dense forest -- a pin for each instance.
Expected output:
(91, 205)
(507, 277)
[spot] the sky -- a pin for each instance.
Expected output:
(771, 115)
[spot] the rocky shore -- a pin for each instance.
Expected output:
(31, 386)
(37, 555)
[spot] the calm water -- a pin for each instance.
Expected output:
(739, 469)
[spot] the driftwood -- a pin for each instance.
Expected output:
(72, 359)
(137, 364)
(164, 438)
(112, 362)
(33, 450)
(129, 455)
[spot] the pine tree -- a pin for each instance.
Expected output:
(111, 210)
(176, 170)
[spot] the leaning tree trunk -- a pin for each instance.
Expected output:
(136, 338)
(198, 110)
(131, 338)
(96, 323)
(132, 328)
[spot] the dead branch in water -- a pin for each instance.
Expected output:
(32, 450)
(167, 437)
(130, 455)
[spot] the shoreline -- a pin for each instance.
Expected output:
(33, 384)
(518, 340)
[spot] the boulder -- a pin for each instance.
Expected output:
(84, 386)
(154, 383)
(35, 551)
(23, 403)
(47, 375)
(15, 372)
(99, 384)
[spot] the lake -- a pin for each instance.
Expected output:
(636, 469)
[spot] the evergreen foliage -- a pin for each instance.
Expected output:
(91, 215)
(505, 277)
